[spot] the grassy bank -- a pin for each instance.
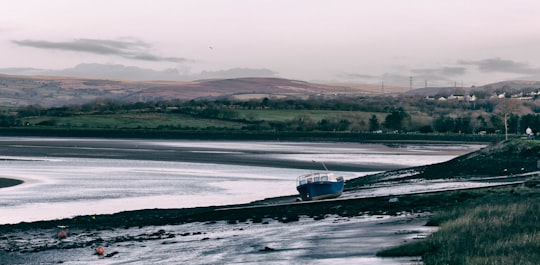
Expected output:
(499, 227)
(493, 226)
(505, 158)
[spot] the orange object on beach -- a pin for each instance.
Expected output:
(62, 234)
(100, 250)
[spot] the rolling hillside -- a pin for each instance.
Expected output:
(509, 86)
(50, 91)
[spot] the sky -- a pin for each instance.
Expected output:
(390, 42)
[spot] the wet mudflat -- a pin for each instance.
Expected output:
(335, 240)
(268, 235)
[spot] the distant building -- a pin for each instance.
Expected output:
(471, 98)
(457, 97)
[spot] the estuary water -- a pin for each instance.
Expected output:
(65, 177)
(70, 177)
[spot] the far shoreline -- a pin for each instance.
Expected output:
(6, 183)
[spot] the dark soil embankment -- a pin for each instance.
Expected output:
(505, 158)
(502, 159)
(241, 213)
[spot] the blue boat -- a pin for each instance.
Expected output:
(319, 186)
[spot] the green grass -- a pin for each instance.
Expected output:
(157, 120)
(501, 227)
(315, 115)
(134, 121)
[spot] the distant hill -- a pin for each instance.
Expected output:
(49, 91)
(52, 91)
(512, 85)
(431, 91)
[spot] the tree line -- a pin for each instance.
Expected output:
(386, 113)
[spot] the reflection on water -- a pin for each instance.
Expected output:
(72, 186)
(65, 186)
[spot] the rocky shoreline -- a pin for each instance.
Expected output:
(84, 232)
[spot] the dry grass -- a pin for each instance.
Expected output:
(500, 228)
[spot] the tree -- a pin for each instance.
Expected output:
(8, 121)
(479, 123)
(395, 119)
(531, 120)
(374, 124)
(463, 125)
(505, 109)
(444, 124)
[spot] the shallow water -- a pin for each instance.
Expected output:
(60, 185)
(72, 186)
(68, 177)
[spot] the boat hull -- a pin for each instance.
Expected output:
(320, 190)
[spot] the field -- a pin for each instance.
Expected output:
(131, 121)
(161, 120)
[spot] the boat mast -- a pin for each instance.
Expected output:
(322, 164)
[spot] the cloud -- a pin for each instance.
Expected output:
(435, 76)
(129, 49)
(419, 77)
(396, 79)
(235, 73)
(441, 72)
(501, 66)
(22, 71)
(118, 71)
(358, 76)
